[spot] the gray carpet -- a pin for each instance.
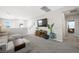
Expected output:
(40, 45)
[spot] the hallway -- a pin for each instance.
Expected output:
(72, 40)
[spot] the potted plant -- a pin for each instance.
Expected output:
(51, 34)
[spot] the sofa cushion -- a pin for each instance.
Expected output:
(10, 46)
(13, 37)
(16, 36)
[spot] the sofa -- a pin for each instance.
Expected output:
(15, 41)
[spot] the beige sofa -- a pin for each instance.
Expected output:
(14, 34)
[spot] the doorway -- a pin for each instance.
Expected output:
(72, 30)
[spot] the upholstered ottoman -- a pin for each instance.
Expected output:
(19, 46)
(26, 48)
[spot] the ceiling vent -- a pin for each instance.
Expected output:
(45, 8)
(74, 11)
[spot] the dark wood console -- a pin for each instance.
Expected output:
(40, 33)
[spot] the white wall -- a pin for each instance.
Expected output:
(57, 18)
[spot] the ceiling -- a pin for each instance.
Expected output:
(72, 12)
(28, 12)
(23, 12)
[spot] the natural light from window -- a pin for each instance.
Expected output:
(71, 24)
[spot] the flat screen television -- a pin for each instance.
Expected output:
(42, 22)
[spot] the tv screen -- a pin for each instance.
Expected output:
(42, 22)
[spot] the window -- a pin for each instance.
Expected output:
(8, 23)
(71, 26)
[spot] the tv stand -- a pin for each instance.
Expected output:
(42, 33)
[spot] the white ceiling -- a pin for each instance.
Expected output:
(28, 12)
(24, 12)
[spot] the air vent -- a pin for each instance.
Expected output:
(73, 11)
(45, 8)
